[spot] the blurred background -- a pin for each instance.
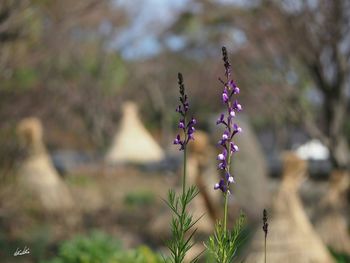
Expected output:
(88, 91)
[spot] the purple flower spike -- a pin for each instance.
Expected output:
(188, 128)
(231, 129)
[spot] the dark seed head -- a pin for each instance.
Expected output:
(265, 224)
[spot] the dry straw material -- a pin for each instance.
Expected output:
(330, 218)
(133, 143)
(37, 177)
(291, 237)
(205, 204)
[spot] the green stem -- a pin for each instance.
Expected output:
(184, 171)
(180, 259)
(225, 213)
(185, 204)
(185, 163)
(226, 194)
(265, 249)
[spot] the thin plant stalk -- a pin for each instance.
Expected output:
(226, 197)
(185, 166)
(223, 243)
(182, 222)
(265, 229)
(265, 250)
(225, 212)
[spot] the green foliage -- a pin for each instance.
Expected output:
(79, 180)
(140, 255)
(21, 79)
(223, 245)
(97, 247)
(340, 257)
(182, 224)
(115, 75)
(25, 77)
(139, 198)
(100, 248)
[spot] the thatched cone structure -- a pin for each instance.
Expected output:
(133, 143)
(291, 237)
(206, 202)
(37, 177)
(330, 218)
(249, 167)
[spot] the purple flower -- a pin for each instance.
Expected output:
(179, 110)
(221, 157)
(236, 128)
(186, 106)
(231, 180)
(182, 124)
(221, 185)
(233, 147)
(222, 165)
(192, 122)
(190, 132)
(225, 135)
(225, 97)
(177, 139)
(227, 175)
(221, 119)
(232, 84)
(237, 106)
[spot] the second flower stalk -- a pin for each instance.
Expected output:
(226, 143)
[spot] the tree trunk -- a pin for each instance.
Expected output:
(340, 153)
